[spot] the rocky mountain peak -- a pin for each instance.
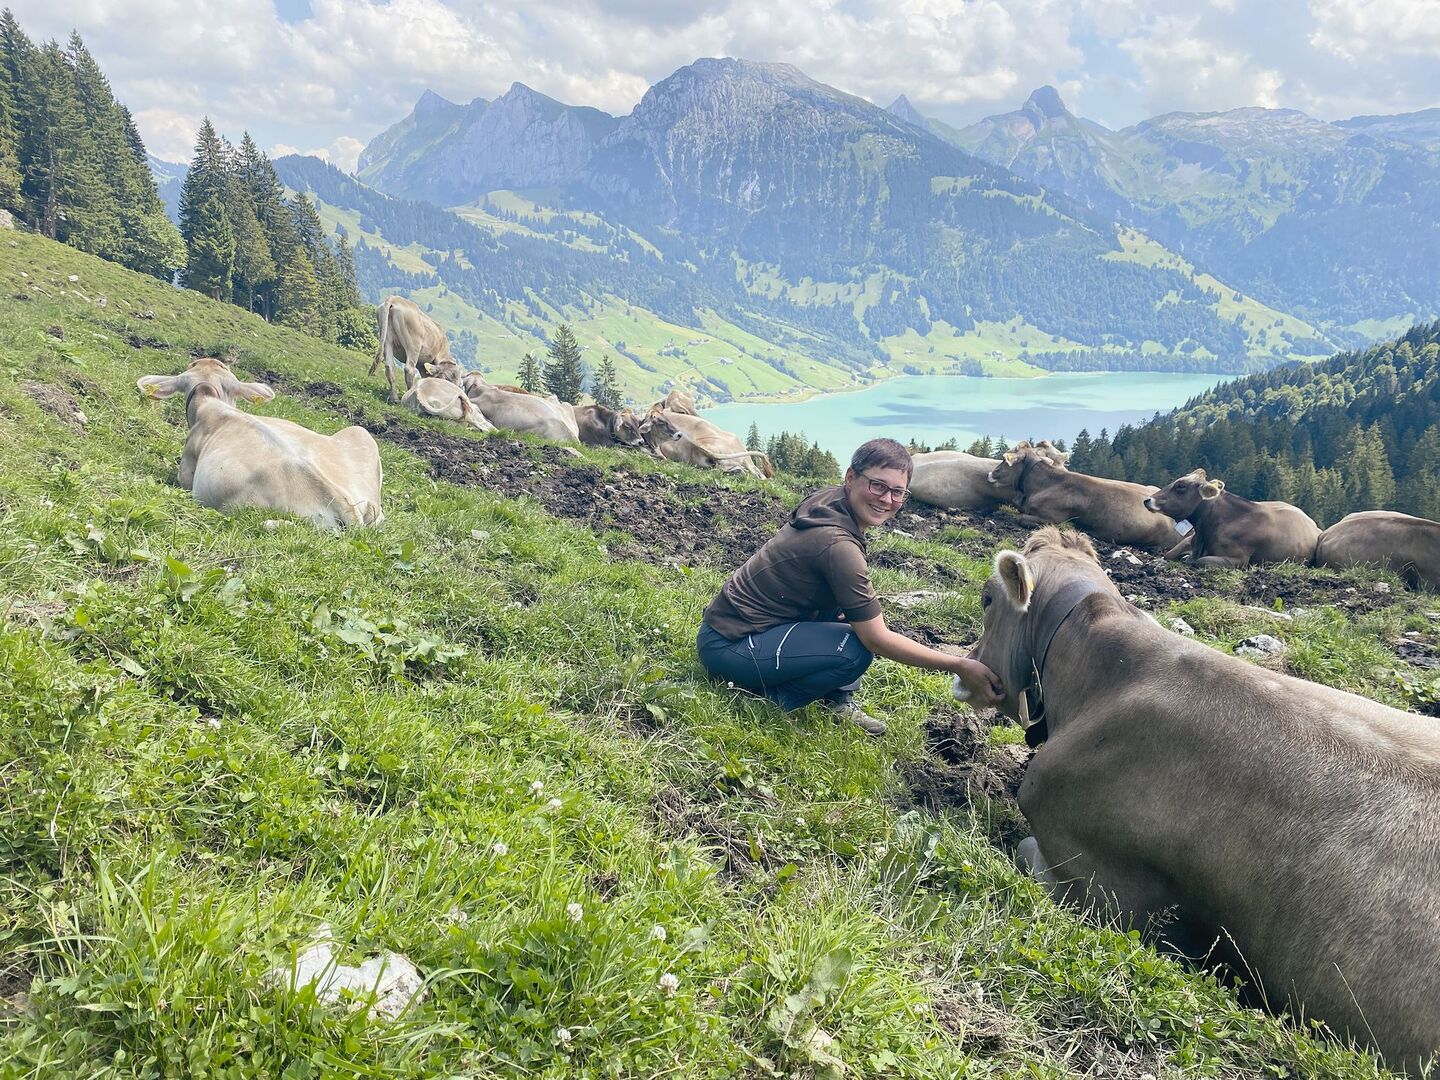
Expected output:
(1046, 104)
(902, 108)
(431, 103)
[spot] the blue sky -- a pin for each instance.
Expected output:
(328, 75)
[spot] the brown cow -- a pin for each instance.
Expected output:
(233, 459)
(1288, 827)
(409, 335)
(689, 439)
(1111, 510)
(1231, 531)
(1409, 546)
(960, 481)
(603, 426)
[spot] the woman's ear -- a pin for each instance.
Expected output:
(1015, 578)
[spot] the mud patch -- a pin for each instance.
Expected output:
(678, 817)
(55, 401)
(960, 769)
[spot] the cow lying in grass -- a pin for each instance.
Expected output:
(1408, 546)
(233, 459)
(602, 426)
(438, 397)
(515, 409)
(691, 440)
(1231, 531)
(960, 481)
(1111, 510)
(1287, 827)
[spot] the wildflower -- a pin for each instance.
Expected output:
(500, 848)
(458, 917)
(669, 984)
(657, 933)
(554, 804)
(213, 723)
(563, 1036)
(536, 787)
(574, 912)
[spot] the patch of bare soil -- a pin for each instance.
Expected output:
(56, 401)
(678, 816)
(961, 768)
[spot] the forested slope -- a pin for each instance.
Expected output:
(1358, 431)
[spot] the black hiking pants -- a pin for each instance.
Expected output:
(792, 664)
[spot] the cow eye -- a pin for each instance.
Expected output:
(984, 599)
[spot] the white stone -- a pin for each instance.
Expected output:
(1260, 645)
(1180, 626)
(74, 278)
(392, 978)
(7, 220)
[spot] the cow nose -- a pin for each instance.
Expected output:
(1149, 503)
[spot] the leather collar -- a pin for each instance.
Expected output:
(1044, 626)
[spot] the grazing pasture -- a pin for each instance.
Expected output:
(478, 737)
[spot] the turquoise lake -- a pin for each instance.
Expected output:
(933, 408)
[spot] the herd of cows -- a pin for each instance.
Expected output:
(1289, 827)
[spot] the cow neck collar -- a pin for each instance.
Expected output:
(1043, 628)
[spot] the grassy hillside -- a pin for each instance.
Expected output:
(479, 737)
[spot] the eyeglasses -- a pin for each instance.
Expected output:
(879, 488)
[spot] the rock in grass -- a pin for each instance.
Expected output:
(1180, 626)
(1260, 645)
(392, 978)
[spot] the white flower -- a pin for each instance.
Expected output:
(500, 848)
(212, 722)
(458, 917)
(554, 804)
(657, 933)
(536, 787)
(669, 984)
(563, 1036)
(574, 912)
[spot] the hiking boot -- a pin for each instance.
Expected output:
(846, 709)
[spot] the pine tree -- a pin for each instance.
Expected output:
(9, 129)
(271, 210)
(752, 437)
(605, 385)
(1419, 492)
(204, 221)
(532, 378)
(563, 374)
(300, 302)
(1368, 479)
(210, 261)
(61, 184)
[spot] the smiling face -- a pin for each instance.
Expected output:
(868, 508)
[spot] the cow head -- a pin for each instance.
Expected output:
(1010, 472)
(443, 367)
(1182, 498)
(208, 372)
(625, 428)
(473, 383)
(1013, 603)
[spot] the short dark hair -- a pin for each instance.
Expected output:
(884, 453)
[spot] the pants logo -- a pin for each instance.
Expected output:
(841, 646)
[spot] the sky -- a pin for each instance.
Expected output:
(326, 76)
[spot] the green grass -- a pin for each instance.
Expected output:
(221, 731)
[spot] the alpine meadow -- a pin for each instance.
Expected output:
(357, 521)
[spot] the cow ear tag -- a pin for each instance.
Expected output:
(1183, 527)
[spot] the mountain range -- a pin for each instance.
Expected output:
(852, 242)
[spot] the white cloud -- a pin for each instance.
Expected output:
(356, 66)
(343, 153)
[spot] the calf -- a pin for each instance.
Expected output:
(233, 459)
(1409, 546)
(693, 441)
(1111, 510)
(1287, 827)
(409, 335)
(961, 481)
(516, 410)
(1231, 531)
(602, 426)
(436, 397)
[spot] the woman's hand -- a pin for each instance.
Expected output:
(982, 687)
